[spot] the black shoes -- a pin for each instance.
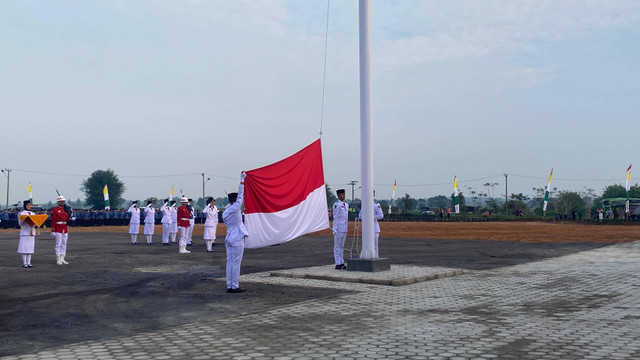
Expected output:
(165, 244)
(341, 267)
(209, 250)
(189, 244)
(235, 291)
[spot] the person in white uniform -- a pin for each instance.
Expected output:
(377, 215)
(210, 223)
(340, 213)
(134, 222)
(166, 222)
(236, 234)
(173, 230)
(192, 222)
(27, 243)
(149, 222)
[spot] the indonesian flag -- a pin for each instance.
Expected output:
(105, 192)
(628, 188)
(30, 193)
(456, 200)
(393, 194)
(286, 199)
(546, 193)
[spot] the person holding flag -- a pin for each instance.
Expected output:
(59, 230)
(27, 243)
(236, 235)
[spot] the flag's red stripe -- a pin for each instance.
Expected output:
(285, 183)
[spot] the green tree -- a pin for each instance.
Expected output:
(407, 203)
(436, 202)
(518, 201)
(568, 201)
(92, 188)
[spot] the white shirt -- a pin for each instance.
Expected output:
(149, 214)
(232, 217)
(340, 216)
(166, 214)
(377, 215)
(211, 214)
(135, 215)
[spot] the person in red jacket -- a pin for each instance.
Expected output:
(59, 217)
(184, 222)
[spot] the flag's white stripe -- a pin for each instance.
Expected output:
(275, 228)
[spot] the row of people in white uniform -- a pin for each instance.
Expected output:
(169, 222)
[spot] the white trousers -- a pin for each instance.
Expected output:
(338, 247)
(191, 224)
(235, 251)
(184, 235)
(61, 242)
(165, 232)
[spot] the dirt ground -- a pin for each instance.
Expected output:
(112, 288)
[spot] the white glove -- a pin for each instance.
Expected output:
(242, 176)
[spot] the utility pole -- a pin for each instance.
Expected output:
(506, 200)
(353, 184)
(7, 173)
(203, 182)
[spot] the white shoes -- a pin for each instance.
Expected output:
(59, 259)
(183, 250)
(62, 259)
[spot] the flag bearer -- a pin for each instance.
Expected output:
(236, 234)
(340, 224)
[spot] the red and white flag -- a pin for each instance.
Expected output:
(286, 199)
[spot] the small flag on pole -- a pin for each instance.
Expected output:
(105, 192)
(30, 193)
(628, 187)
(171, 194)
(393, 195)
(456, 199)
(546, 193)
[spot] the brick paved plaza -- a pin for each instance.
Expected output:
(579, 306)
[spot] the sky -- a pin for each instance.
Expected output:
(163, 91)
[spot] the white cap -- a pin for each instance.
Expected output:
(184, 199)
(60, 198)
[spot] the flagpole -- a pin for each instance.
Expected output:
(366, 133)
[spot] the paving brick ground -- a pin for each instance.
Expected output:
(580, 306)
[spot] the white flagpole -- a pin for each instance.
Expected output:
(366, 133)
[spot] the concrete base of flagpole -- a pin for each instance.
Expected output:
(369, 265)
